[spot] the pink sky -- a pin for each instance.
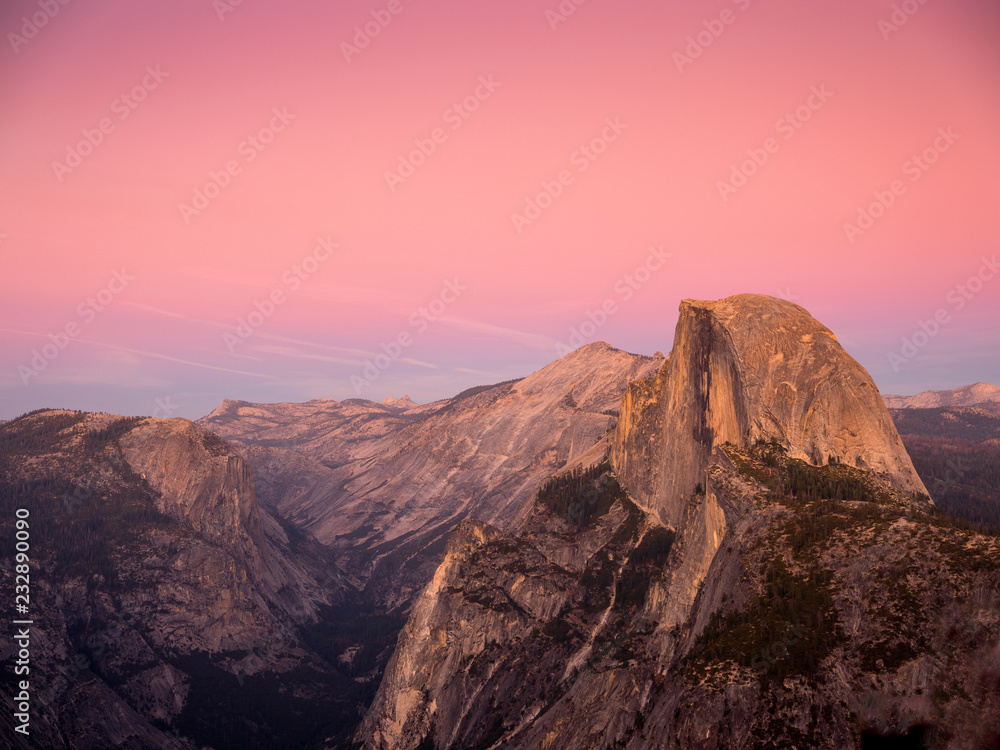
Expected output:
(166, 336)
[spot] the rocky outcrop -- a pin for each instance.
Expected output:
(200, 481)
(494, 598)
(436, 645)
(743, 369)
(405, 403)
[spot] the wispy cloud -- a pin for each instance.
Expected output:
(287, 351)
(533, 340)
(153, 355)
(418, 363)
(150, 308)
(328, 347)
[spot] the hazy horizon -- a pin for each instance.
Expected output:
(169, 407)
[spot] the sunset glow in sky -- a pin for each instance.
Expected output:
(262, 201)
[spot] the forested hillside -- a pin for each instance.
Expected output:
(956, 451)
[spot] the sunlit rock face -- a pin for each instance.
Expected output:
(744, 368)
(200, 480)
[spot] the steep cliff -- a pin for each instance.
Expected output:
(745, 368)
(500, 630)
(199, 479)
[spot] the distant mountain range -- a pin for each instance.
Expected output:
(968, 395)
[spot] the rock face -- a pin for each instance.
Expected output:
(382, 483)
(968, 395)
(199, 479)
(743, 369)
(476, 632)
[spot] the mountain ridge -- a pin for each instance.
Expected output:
(381, 485)
(966, 395)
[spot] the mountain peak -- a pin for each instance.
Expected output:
(399, 403)
(753, 311)
(745, 368)
(199, 477)
(589, 374)
(594, 346)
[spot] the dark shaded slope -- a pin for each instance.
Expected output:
(956, 451)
